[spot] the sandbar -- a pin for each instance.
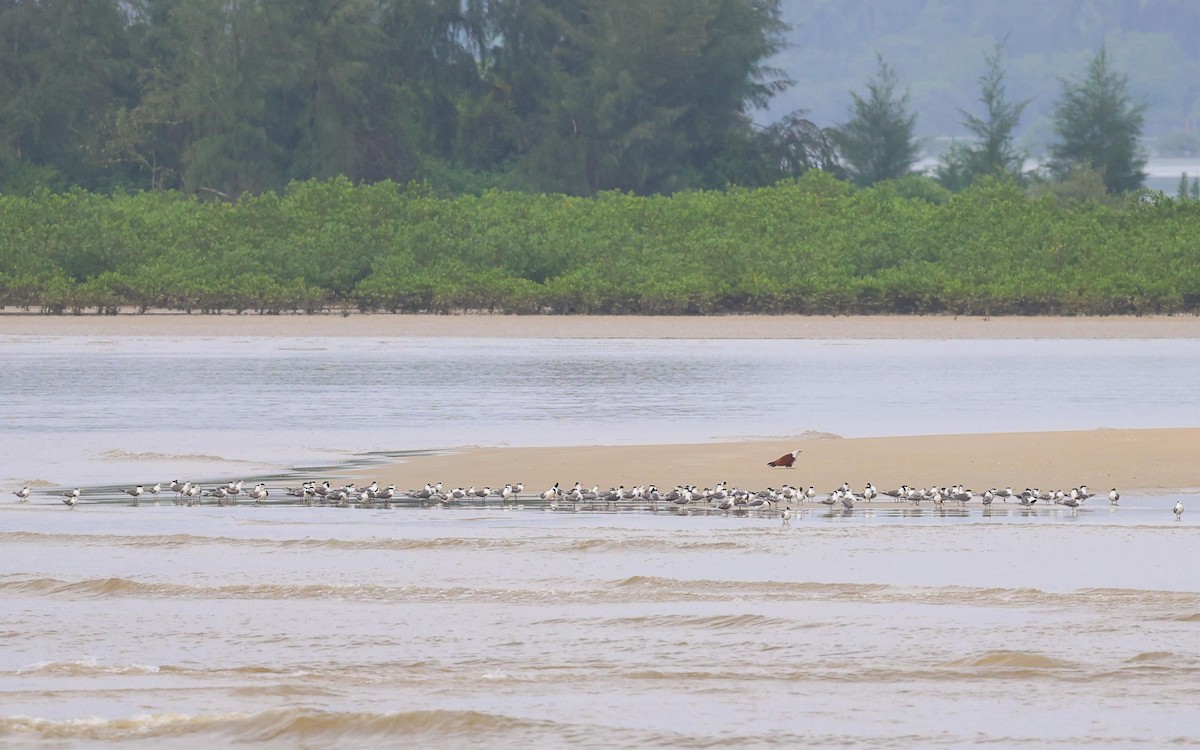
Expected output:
(1149, 461)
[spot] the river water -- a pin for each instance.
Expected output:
(320, 627)
(285, 626)
(82, 411)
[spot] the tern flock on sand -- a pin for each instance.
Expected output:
(786, 500)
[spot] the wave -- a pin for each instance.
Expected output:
(1162, 605)
(124, 587)
(180, 540)
(91, 667)
(285, 690)
(736, 623)
(636, 588)
(1121, 596)
(1002, 666)
(84, 668)
(747, 587)
(649, 544)
(116, 540)
(120, 455)
(1151, 656)
(540, 591)
(402, 544)
(652, 587)
(282, 726)
(1014, 660)
(686, 675)
(383, 544)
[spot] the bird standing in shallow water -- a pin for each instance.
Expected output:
(1113, 496)
(1178, 509)
(22, 494)
(70, 499)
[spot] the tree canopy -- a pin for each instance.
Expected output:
(229, 97)
(877, 142)
(1099, 125)
(226, 98)
(993, 151)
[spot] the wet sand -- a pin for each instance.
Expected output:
(13, 321)
(1148, 461)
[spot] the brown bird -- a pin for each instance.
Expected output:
(787, 459)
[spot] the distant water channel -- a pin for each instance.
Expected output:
(87, 410)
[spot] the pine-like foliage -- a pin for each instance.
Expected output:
(992, 151)
(877, 143)
(1098, 124)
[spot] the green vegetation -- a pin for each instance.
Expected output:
(224, 98)
(993, 151)
(560, 156)
(813, 245)
(1099, 125)
(877, 143)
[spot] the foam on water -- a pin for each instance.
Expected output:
(276, 727)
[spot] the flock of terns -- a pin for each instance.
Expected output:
(785, 499)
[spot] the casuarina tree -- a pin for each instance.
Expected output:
(992, 149)
(1099, 125)
(877, 143)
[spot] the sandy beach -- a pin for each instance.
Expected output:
(13, 321)
(1149, 461)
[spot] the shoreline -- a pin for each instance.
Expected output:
(1152, 461)
(14, 322)
(1157, 461)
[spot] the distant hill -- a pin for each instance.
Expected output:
(937, 47)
